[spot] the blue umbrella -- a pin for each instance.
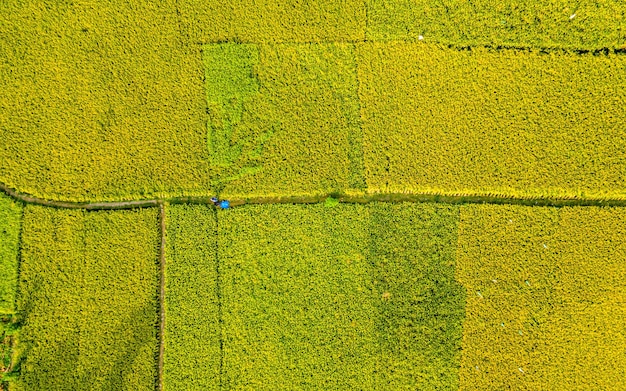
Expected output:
(224, 204)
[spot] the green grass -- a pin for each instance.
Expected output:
(10, 223)
(594, 24)
(284, 119)
(346, 297)
(88, 300)
(192, 333)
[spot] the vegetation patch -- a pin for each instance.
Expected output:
(268, 21)
(284, 119)
(100, 101)
(544, 297)
(486, 122)
(193, 330)
(351, 296)
(590, 25)
(10, 224)
(421, 307)
(88, 300)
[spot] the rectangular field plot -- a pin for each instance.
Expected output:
(545, 297)
(284, 119)
(10, 224)
(354, 296)
(101, 101)
(481, 122)
(272, 21)
(595, 24)
(192, 328)
(88, 300)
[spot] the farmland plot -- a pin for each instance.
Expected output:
(192, 333)
(313, 297)
(268, 21)
(590, 25)
(545, 297)
(284, 119)
(100, 101)
(88, 300)
(10, 224)
(482, 122)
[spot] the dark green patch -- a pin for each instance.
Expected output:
(421, 305)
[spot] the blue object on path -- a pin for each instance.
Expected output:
(224, 204)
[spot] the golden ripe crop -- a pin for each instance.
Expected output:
(480, 121)
(594, 24)
(272, 21)
(88, 300)
(100, 101)
(10, 224)
(192, 328)
(545, 297)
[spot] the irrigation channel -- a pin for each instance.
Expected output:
(342, 198)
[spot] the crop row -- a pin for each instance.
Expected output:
(590, 25)
(193, 330)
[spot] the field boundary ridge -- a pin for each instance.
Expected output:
(351, 198)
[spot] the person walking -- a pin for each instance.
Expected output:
(223, 204)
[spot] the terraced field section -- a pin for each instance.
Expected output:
(545, 297)
(284, 119)
(88, 300)
(113, 102)
(519, 123)
(589, 25)
(101, 101)
(313, 297)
